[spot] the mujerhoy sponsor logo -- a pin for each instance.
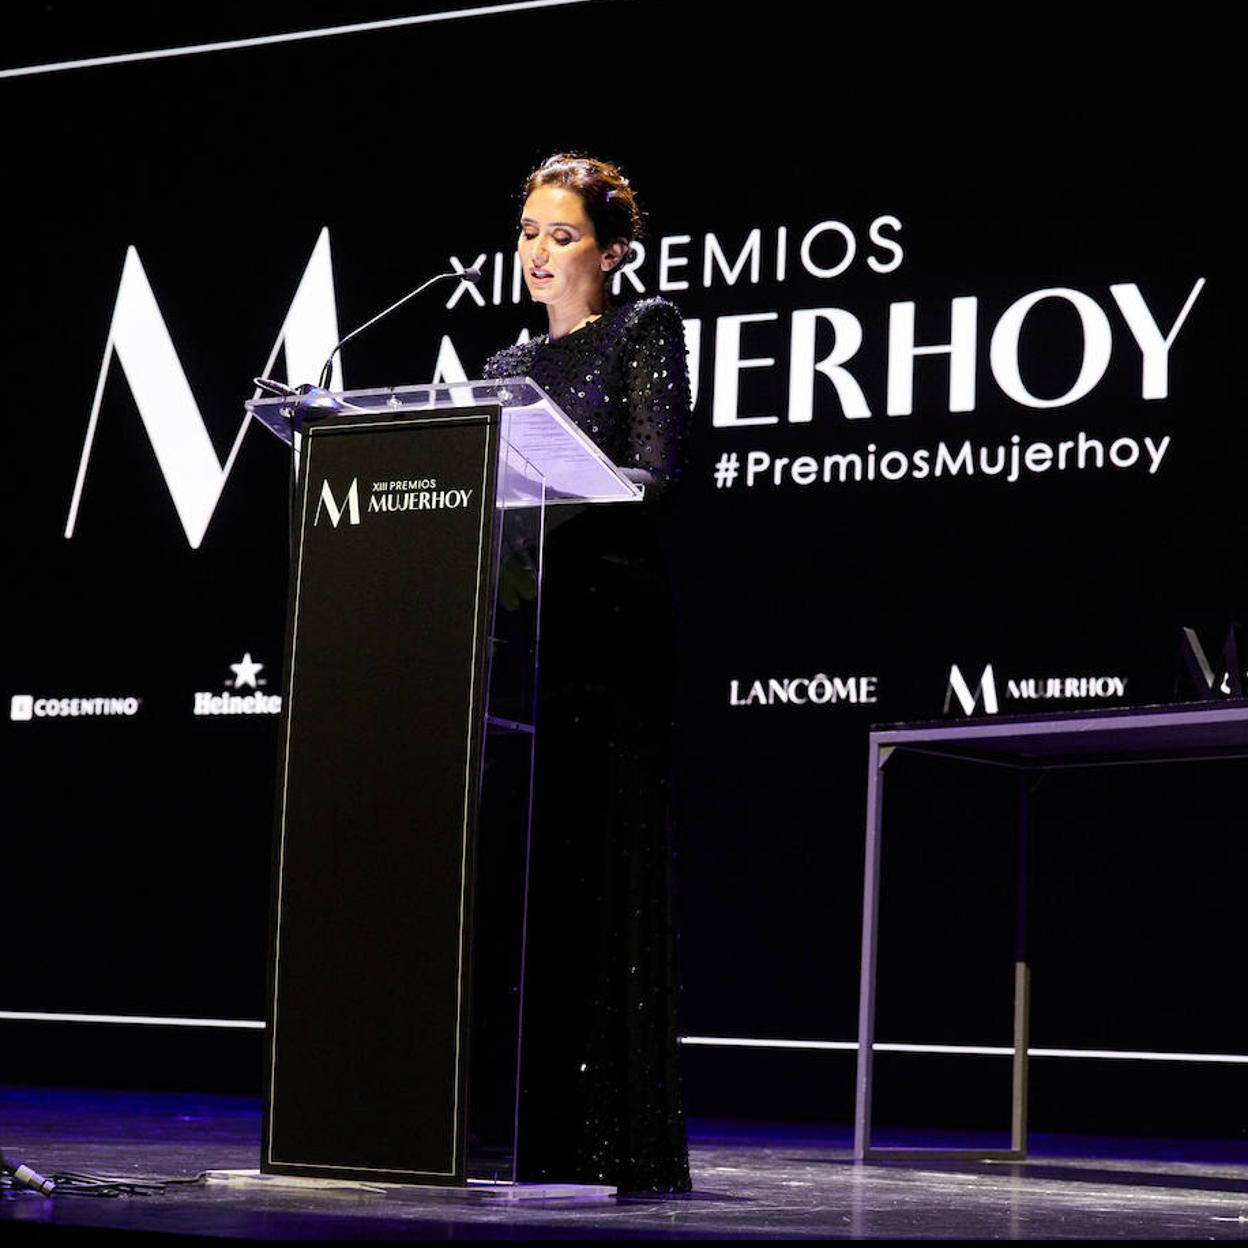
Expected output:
(990, 690)
(409, 494)
(818, 690)
(24, 707)
(232, 702)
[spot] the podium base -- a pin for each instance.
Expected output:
(475, 1189)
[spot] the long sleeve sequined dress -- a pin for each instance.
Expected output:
(600, 1096)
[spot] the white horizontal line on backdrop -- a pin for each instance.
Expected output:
(134, 1020)
(720, 1042)
(965, 1050)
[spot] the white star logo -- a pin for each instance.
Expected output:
(245, 672)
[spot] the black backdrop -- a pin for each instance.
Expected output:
(137, 871)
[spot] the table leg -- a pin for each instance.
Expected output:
(877, 757)
(1022, 972)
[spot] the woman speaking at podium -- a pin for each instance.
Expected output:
(600, 1088)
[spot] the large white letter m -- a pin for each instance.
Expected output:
(350, 504)
(958, 686)
(171, 417)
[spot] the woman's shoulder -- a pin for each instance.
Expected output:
(512, 361)
(650, 330)
(654, 313)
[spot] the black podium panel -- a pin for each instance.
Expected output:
(378, 785)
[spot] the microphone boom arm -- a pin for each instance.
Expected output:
(469, 275)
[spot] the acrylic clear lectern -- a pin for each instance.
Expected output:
(405, 770)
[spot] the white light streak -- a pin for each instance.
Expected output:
(964, 1050)
(138, 1020)
(294, 36)
(719, 1042)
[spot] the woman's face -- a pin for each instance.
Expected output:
(562, 261)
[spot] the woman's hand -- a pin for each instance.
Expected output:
(517, 578)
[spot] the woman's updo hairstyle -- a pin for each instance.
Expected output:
(609, 201)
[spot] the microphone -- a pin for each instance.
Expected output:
(472, 275)
(310, 400)
(275, 388)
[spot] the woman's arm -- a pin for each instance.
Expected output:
(656, 375)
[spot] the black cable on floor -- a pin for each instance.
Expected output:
(17, 1178)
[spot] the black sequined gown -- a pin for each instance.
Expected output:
(600, 1087)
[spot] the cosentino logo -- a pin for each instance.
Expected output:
(817, 690)
(25, 706)
(246, 676)
(986, 695)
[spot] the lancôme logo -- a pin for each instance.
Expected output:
(817, 690)
(246, 676)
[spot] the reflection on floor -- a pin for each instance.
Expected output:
(751, 1181)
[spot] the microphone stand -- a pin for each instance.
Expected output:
(468, 275)
(309, 396)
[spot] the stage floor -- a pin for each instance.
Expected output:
(751, 1181)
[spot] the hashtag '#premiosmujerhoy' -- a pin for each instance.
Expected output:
(1009, 462)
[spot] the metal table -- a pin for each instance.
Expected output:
(1026, 745)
